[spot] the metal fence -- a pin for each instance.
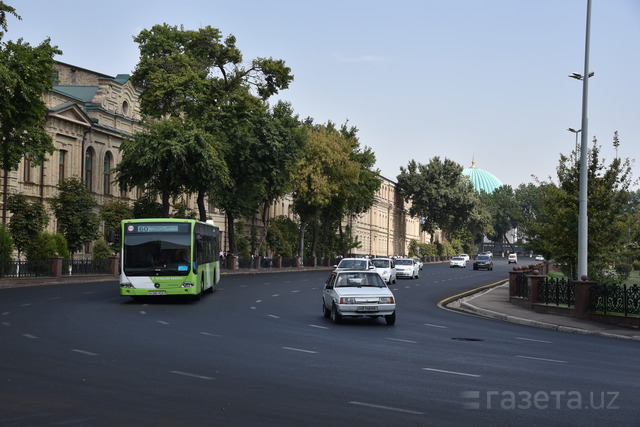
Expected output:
(558, 291)
(17, 269)
(611, 298)
(85, 267)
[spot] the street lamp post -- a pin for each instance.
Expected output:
(576, 132)
(582, 218)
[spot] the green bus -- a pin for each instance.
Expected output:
(168, 256)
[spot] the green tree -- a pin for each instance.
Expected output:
(74, 210)
(43, 246)
(25, 74)
(112, 212)
(6, 244)
(503, 208)
(101, 249)
(27, 220)
(610, 227)
(147, 207)
(282, 237)
(440, 195)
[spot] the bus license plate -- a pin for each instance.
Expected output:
(157, 293)
(368, 308)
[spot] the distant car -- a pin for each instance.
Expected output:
(457, 261)
(354, 264)
(539, 258)
(407, 267)
(488, 253)
(513, 258)
(357, 293)
(386, 268)
(419, 262)
(465, 256)
(483, 262)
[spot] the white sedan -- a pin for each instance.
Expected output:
(457, 261)
(407, 267)
(357, 294)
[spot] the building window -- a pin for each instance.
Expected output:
(88, 169)
(106, 177)
(125, 108)
(61, 165)
(27, 167)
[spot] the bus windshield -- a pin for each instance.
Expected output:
(157, 249)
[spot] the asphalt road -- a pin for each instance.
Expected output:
(259, 352)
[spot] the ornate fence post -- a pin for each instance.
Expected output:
(582, 290)
(535, 281)
(114, 266)
(56, 265)
(513, 274)
(279, 261)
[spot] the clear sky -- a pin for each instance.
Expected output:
(459, 79)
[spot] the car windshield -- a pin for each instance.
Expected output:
(404, 262)
(381, 263)
(353, 263)
(484, 258)
(358, 280)
(457, 258)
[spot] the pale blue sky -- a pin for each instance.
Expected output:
(452, 78)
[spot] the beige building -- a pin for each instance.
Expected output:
(89, 115)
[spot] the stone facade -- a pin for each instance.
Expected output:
(90, 114)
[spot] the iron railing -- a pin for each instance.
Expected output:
(558, 291)
(85, 267)
(28, 268)
(612, 298)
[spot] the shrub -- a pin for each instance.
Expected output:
(6, 244)
(101, 250)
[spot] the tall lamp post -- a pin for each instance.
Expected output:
(583, 221)
(576, 132)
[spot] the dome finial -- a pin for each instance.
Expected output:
(473, 161)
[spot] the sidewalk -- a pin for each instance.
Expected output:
(494, 303)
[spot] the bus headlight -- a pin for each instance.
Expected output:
(186, 285)
(126, 285)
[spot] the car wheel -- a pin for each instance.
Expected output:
(335, 316)
(325, 311)
(391, 318)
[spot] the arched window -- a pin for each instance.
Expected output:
(88, 169)
(27, 167)
(62, 160)
(106, 174)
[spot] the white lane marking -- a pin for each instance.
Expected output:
(258, 300)
(25, 305)
(33, 337)
(187, 374)
(6, 313)
(435, 326)
(273, 316)
(401, 340)
(452, 372)
(87, 353)
(275, 295)
(253, 308)
(210, 335)
(293, 292)
(533, 340)
(543, 359)
(162, 322)
(52, 298)
(89, 292)
(6, 323)
(318, 326)
(388, 408)
(299, 349)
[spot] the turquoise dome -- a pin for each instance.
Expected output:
(481, 179)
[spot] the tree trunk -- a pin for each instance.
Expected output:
(303, 225)
(166, 205)
(5, 187)
(231, 232)
(265, 227)
(314, 238)
(201, 206)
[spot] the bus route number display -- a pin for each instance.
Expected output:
(152, 228)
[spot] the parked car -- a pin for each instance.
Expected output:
(354, 264)
(386, 268)
(457, 261)
(357, 293)
(483, 261)
(465, 256)
(513, 258)
(407, 267)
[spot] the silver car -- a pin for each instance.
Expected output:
(386, 268)
(407, 267)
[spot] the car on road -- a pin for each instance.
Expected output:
(386, 268)
(357, 293)
(513, 258)
(354, 264)
(419, 262)
(483, 262)
(457, 261)
(407, 267)
(539, 258)
(465, 256)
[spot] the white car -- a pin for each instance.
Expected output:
(465, 256)
(539, 258)
(357, 293)
(386, 268)
(457, 261)
(407, 267)
(354, 264)
(513, 258)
